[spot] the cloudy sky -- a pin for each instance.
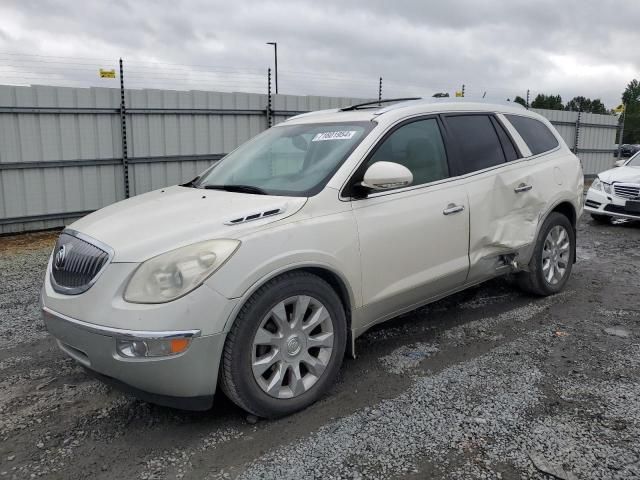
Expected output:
(332, 47)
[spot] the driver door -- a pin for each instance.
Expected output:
(413, 240)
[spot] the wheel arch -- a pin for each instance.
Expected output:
(567, 209)
(335, 280)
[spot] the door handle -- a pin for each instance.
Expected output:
(452, 208)
(523, 187)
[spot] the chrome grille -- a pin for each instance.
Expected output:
(627, 190)
(77, 262)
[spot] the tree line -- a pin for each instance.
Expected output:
(630, 101)
(554, 102)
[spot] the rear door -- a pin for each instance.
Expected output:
(413, 240)
(503, 201)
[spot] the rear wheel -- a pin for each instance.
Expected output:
(285, 347)
(601, 218)
(553, 256)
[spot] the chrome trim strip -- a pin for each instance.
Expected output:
(92, 241)
(121, 333)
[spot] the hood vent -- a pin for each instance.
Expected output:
(256, 216)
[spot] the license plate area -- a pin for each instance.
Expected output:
(632, 206)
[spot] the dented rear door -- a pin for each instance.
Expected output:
(505, 195)
(505, 204)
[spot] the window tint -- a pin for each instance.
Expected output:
(535, 134)
(419, 147)
(477, 141)
(508, 148)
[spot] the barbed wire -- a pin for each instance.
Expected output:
(58, 70)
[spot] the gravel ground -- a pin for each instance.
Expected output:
(486, 384)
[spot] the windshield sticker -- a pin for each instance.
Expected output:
(343, 135)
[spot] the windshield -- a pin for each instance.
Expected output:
(292, 160)
(634, 161)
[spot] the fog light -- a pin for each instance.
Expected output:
(156, 347)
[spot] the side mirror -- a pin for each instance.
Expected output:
(387, 175)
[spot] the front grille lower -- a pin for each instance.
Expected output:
(627, 190)
(618, 209)
(76, 263)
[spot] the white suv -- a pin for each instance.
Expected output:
(261, 273)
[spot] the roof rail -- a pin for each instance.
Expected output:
(377, 103)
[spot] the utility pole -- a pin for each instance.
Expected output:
(275, 54)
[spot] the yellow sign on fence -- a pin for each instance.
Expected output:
(107, 73)
(459, 94)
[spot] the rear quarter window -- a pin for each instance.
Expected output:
(536, 134)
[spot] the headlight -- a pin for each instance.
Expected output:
(606, 187)
(174, 274)
(597, 184)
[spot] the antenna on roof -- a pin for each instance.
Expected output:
(377, 103)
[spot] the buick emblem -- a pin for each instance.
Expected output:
(61, 254)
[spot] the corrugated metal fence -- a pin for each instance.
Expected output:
(61, 148)
(591, 136)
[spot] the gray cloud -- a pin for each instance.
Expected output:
(503, 48)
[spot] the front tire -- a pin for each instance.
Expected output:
(285, 347)
(553, 257)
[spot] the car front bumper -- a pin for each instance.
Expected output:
(601, 203)
(186, 380)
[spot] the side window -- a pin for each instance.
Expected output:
(419, 147)
(508, 148)
(536, 135)
(477, 141)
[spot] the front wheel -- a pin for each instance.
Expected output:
(553, 256)
(285, 347)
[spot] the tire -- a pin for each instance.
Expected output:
(270, 327)
(535, 280)
(601, 218)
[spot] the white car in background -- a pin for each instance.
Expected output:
(615, 193)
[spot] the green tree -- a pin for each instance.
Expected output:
(582, 104)
(631, 100)
(520, 100)
(550, 102)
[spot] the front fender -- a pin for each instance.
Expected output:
(329, 242)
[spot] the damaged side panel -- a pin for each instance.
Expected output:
(507, 205)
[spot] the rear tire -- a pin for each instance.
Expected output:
(553, 257)
(604, 219)
(286, 346)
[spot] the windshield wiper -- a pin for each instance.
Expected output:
(237, 188)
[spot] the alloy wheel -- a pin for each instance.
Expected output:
(292, 346)
(555, 255)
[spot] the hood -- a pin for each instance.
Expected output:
(621, 174)
(156, 222)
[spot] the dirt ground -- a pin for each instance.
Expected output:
(489, 383)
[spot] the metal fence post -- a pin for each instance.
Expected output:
(527, 99)
(269, 117)
(380, 90)
(123, 128)
(463, 90)
(577, 136)
(621, 135)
